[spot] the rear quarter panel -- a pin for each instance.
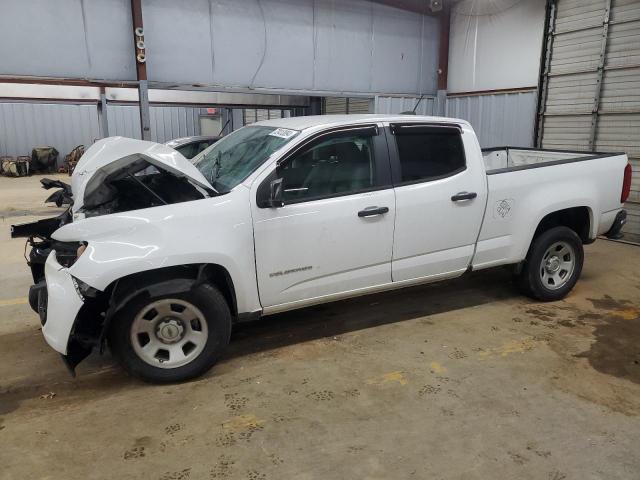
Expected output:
(520, 199)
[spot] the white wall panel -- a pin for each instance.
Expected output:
(67, 38)
(328, 45)
(495, 44)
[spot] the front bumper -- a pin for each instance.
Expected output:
(63, 304)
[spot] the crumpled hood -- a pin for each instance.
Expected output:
(108, 155)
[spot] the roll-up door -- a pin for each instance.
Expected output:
(590, 88)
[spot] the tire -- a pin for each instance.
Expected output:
(196, 322)
(555, 251)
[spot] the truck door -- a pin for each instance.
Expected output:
(440, 199)
(334, 233)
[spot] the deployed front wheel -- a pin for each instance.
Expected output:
(553, 265)
(171, 337)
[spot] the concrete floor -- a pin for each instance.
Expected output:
(465, 379)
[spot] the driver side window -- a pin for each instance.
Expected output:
(334, 165)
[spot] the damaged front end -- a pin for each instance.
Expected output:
(114, 175)
(40, 244)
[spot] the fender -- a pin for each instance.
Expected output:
(216, 230)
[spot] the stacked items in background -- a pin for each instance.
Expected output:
(42, 160)
(14, 167)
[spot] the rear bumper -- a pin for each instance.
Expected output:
(615, 232)
(63, 304)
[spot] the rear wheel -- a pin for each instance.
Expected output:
(553, 265)
(171, 337)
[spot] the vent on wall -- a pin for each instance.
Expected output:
(344, 105)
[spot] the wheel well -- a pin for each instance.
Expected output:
(210, 273)
(577, 219)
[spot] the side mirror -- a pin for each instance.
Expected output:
(275, 193)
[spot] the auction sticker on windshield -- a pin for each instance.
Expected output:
(283, 133)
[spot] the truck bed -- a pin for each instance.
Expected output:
(521, 194)
(508, 159)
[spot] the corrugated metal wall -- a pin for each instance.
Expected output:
(24, 125)
(592, 84)
(427, 106)
(166, 122)
(498, 119)
(63, 126)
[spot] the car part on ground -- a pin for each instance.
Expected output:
(44, 159)
(14, 167)
(72, 158)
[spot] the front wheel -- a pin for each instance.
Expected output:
(171, 337)
(553, 265)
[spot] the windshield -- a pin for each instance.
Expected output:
(232, 159)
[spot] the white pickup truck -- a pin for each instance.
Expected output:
(158, 256)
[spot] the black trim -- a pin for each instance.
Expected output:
(533, 149)
(615, 232)
(431, 179)
(458, 197)
(551, 163)
(380, 158)
(337, 195)
(248, 317)
(421, 127)
(373, 211)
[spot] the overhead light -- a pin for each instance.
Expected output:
(435, 5)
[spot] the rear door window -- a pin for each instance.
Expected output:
(427, 152)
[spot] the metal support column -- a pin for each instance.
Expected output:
(141, 68)
(544, 84)
(443, 60)
(102, 114)
(599, 75)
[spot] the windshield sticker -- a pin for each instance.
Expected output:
(283, 133)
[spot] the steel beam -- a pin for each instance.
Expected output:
(141, 70)
(443, 47)
(603, 55)
(544, 82)
(102, 114)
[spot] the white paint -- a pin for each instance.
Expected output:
(433, 234)
(62, 307)
(328, 251)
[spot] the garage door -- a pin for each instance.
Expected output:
(590, 96)
(342, 105)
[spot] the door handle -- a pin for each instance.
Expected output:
(372, 211)
(463, 196)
